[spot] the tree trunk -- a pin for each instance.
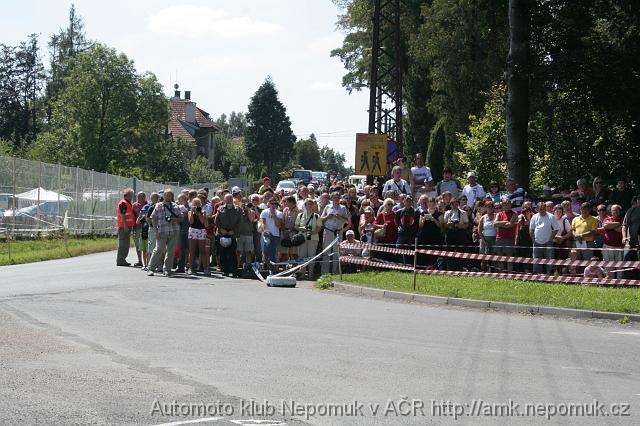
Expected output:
(517, 110)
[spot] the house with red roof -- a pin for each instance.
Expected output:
(192, 125)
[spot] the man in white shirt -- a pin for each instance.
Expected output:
(420, 174)
(397, 184)
(542, 229)
(333, 216)
(473, 190)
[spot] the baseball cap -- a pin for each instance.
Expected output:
(266, 178)
(472, 174)
(350, 232)
(236, 190)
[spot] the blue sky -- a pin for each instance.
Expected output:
(221, 51)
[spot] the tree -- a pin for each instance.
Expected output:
(437, 145)
(109, 117)
(307, 153)
(462, 46)
(269, 138)
(21, 79)
(231, 156)
(63, 48)
(200, 172)
(333, 162)
(237, 124)
(517, 111)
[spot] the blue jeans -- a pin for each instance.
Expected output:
(270, 250)
(542, 251)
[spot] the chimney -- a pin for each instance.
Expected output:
(176, 94)
(190, 112)
(187, 95)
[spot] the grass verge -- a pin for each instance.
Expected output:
(609, 299)
(27, 251)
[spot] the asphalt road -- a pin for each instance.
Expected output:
(82, 341)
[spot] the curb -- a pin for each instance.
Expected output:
(479, 304)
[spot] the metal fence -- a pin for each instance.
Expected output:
(40, 197)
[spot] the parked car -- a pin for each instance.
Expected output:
(286, 185)
(302, 175)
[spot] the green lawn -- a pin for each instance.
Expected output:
(610, 299)
(26, 251)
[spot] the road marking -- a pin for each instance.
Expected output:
(189, 422)
(627, 333)
(564, 367)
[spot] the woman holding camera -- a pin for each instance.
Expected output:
(456, 222)
(308, 224)
(198, 236)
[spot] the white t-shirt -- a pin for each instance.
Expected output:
(401, 186)
(332, 223)
(489, 226)
(543, 227)
(270, 223)
(421, 173)
(473, 193)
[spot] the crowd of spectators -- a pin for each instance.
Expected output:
(231, 231)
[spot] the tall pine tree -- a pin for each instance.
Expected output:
(269, 138)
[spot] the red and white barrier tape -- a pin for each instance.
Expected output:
(521, 277)
(495, 258)
(471, 246)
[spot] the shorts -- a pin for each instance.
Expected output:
(503, 247)
(489, 246)
(245, 244)
(144, 245)
(197, 234)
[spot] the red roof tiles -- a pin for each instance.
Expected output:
(178, 127)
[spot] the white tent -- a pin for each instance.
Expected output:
(32, 196)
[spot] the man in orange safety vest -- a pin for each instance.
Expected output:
(126, 223)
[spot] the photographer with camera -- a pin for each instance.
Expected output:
(429, 228)
(248, 220)
(198, 237)
(308, 224)
(456, 222)
(166, 218)
(227, 221)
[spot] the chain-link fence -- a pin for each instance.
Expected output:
(39, 197)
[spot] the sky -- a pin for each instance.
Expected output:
(222, 52)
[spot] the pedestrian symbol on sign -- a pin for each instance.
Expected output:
(364, 161)
(376, 162)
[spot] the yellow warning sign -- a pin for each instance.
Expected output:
(371, 154)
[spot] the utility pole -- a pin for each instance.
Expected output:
(386, 72)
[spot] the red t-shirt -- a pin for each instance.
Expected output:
(137, 207)
(390, 220)
(506, 233)
(611, 236)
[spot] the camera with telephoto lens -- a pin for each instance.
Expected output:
(199, 209)
(308, 231)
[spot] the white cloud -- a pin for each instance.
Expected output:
(325, 86)
(201, 21)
